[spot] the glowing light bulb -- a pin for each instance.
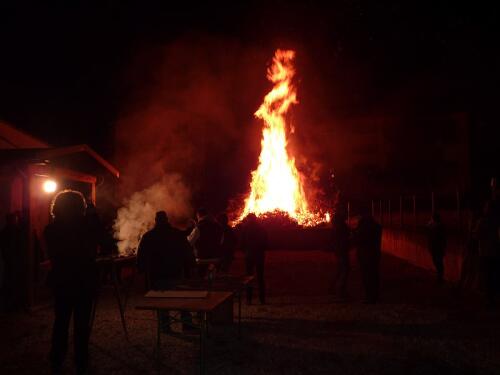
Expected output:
(49, 186)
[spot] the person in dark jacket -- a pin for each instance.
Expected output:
(164, 254)
(254, 243)
(72, 247)
(489, 253)
(340, 244)
(228, 242)
(437, 244)
(368, 238)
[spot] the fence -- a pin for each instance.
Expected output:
(404, 219)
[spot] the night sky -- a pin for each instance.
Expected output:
(64, 69)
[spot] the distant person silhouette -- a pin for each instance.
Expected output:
(72, 247)
(205, 238)
(437, 244)
(165, 256)
(470, 262)
(228, 243)
(254, 243)
(368, 238)
(489, 253)
(340, 245)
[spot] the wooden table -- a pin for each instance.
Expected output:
(203, 306)
(231, 283)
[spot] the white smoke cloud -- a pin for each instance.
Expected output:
(137, 215)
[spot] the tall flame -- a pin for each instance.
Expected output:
(276, 183)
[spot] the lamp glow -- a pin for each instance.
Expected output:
(49, 186)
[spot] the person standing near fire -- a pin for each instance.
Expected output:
(340, 243)
(72, 244)
(254, 243)
(368, 238)
(437, 244)
(164, 255)
(205, 238)
(229, 242)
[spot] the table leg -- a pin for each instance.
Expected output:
(239, 314)
(92, 313)
(118, 298)
(127, 291)
(203, 342)
(158, 340)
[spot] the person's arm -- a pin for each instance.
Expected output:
(193, 238)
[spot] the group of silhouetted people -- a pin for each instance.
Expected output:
(165, 255)
(366, 238)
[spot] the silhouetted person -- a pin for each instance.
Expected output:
(205, 238)
(340, 244)
(489, 253)
(368, 238)
(72, 247)
(165, 256)
(436, 236)
(11, 247)
(229, 242)
(470, 262)
(254, 244)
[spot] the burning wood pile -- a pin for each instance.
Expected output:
(277, 187)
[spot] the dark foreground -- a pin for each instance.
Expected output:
(417, 328)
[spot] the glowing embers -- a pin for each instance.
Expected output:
(276, 185)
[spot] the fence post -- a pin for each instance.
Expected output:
(401, 211)
(380, 211)
(390, 214)
(348, 212)
(414, 211)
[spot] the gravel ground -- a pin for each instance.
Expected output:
(417, 328)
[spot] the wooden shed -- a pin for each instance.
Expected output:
(31, 173)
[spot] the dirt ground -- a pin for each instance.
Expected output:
(417, 328)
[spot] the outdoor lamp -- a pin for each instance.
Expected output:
(49, 186)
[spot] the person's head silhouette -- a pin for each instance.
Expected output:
(161, 218)
(68, 205)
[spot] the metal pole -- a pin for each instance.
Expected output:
(433, 207)
(373, 207)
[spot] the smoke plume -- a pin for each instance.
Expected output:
(170, 194)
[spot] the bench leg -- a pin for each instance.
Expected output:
(158, 341)
(203, 342)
